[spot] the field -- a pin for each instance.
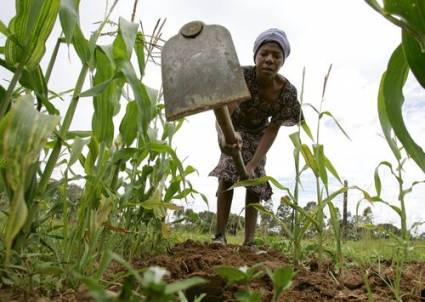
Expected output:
(93, 215)
(366, 276)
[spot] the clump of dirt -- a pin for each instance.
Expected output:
(192, 258)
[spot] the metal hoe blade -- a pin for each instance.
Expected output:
(200, 71)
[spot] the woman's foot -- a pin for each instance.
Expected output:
(219, 239)
(252, 247)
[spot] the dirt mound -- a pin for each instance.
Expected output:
(313, 282)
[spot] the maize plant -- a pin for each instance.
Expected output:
(129, 172)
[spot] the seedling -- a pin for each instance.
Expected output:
(281, 279)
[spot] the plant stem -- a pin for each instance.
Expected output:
(403, 216)
(51, 163)
(319, 215)
(7, 98)
(296, 226)
(52, 60)
(296, 220)
(116, 171)
(133, 15)
(318, 188)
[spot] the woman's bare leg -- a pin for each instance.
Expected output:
(224, 202)
(250, 216)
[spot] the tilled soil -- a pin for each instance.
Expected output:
(314, 281)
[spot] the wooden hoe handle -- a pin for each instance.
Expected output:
(223, 119)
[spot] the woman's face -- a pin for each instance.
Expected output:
(269, 59)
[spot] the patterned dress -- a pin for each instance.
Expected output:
(250, 119)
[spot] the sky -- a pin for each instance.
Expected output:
(348, 34)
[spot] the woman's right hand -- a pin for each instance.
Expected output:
(229, 149)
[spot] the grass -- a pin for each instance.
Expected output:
(369, 249)
(364, 250)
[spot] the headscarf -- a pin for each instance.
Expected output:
(273, 35)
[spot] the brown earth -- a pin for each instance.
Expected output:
(314, 281)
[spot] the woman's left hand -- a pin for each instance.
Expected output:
(250, 168)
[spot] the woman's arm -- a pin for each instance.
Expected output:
(225, 148)
(263, 147)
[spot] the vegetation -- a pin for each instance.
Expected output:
(129, 179)
(120, 180)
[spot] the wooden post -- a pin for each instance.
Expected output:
(344, 212)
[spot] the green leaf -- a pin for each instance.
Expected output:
(164, 148)
(392, 94)
(4, 30)
(145, 107)
(127, 266)
(48, 268)
(312, 107)
(334, 220)
(334, 195)
(336, 122)
(307, 130)
(282, 277)
(395, 208)
(34, 80)
(270, 213)
(125, 40)
(140, 52)
(248, 296)
(383, 119)
(96, 89)
(374, 4)
(378, 185)
(183, 285)
(320, 162)
(411, 16)
(75, 134)
(23, 133)
(331, 168)
(76, 149)
(296, 141)
(124, 154)
(186, 192)
(409, 190)
(107, 93)
(171, 190)
(68, 16)
(2, 92)
(309, 159)
(31, 26)
(128, 126)
(126, 293)
(81, 45)
(367, 196)
(155, 204)
(91, 156)
(415, 57)
(304, 213)
(407, 14)
(259, 181)
(230, 274)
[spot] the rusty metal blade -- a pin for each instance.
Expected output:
(200, 71)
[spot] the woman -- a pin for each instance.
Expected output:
(257, 121)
